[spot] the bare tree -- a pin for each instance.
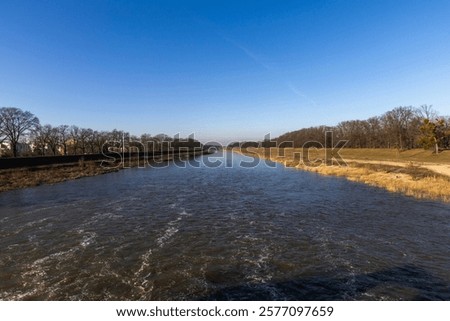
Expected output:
(427, 112)
(64, 134)
(84, 139)
(74, 134)
(376, 135)
(118, 139)
(398, 123)
(100, 139)
(150, 142)
(2, 131)
(2, 136)
(46, 138)
(53, 139)
(163, 138)
(16, 124)
(39, 138)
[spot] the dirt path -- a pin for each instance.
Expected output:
(442, 169)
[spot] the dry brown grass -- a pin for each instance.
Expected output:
(34, 176)
(412, 178)
(11, 179)
(420, 183)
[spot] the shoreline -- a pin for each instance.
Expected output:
(416, 179)
(32, 176)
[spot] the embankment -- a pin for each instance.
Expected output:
(425, 180)
(16, 173)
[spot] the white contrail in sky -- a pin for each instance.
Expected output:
(296, 91)
(249, 54)
(255, 58)
(258, 60)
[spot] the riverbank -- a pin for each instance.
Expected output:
(11, 179)
(416, 173)
(17, 178)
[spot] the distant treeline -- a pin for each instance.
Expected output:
(402, 128)
(22, 134)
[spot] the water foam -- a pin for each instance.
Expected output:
(172, 228)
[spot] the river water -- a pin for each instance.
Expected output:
(224, 233)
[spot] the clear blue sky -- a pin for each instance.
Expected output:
(223, 69)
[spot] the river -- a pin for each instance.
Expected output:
(223, 233)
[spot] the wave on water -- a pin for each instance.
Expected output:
(33, 223)
(141, 276)
(172, 228)
(88, 239)
(169, 232)
(36, 281)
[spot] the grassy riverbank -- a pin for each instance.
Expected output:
(416, 173)
(11, 179)
(17, 178)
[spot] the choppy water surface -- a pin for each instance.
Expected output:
(221, 233)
